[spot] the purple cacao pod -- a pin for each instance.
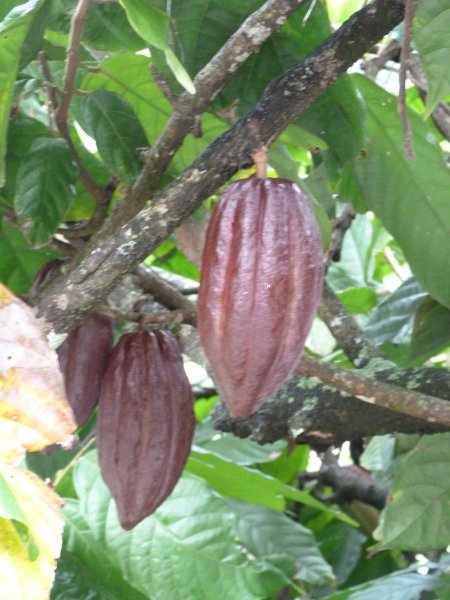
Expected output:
(83, 358)
(145, 424)
(261, 283)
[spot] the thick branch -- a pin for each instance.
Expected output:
(392, 397)
(322, 416)
(350, 483)
(245, 41)
(281, 103)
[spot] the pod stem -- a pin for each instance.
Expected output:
(259, 157)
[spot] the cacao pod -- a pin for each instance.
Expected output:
(145, 423)
(83, 358)
(261, 282)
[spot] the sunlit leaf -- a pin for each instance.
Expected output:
(27, 557)
(33, 410)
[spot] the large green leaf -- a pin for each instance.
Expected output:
(21, 134)
(107, 28)
(267, 533)
(392, 320)
(152, 24)
(19, 262)
(418, 515)
(239, 451)
(75, 579)
(431, 331)
(16, 19)
(250, 485)
(342, 547)
(431, 27)
(92, 560)
(128, 75)
(410, 197)
(111, 121)
(184, 550)
(44, 190)
(402, 585)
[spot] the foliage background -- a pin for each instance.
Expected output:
(246, 521)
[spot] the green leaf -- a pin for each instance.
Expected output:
(44, 189)
(338, 116)
(19, 262)
(418, 515)
(342, 546)
(248, 484)
(9, 508)
(128, 75)
(431, 331)
(409, 198)
(187, 541)
(356, 265)
(392, 319)
(152, 24)
(358, 300)
(74, 580)
(23, 131)
(266, 533)
(239, 451)
(107, 28)
(13, 29)
(402, 585)
(431, 26)
(111, 121)
(92, 560)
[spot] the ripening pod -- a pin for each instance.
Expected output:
(145, 423)
(83, 358)
(261, 283)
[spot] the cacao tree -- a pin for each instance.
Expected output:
(121, 125)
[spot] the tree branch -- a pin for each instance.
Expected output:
(355, 343)
(245, 41)
(392, 397)
(322, 416)
(283, 100)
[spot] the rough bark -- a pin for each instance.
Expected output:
(66, 304)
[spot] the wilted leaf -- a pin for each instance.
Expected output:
(33, 410)
(27, 558)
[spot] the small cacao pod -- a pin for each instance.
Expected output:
(261, 282)
(83, 358)
(145, 423)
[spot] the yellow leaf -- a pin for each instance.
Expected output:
(34, 412)
(22, 578)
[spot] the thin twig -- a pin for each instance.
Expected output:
(393, 262)
(404, 56)
(166, 294)
(163, 86)
(73, 53)
(377, 393)
(341, 225)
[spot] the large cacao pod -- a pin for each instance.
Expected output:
(83, 358)
(145, 423)
(261, 282)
